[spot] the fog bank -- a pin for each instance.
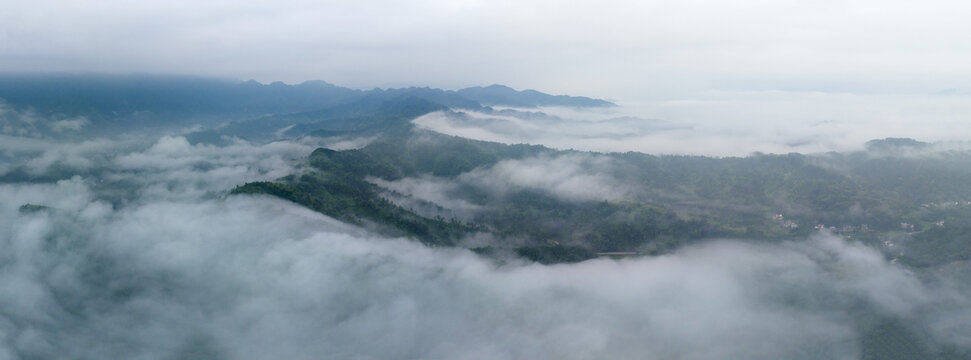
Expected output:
(723, 123)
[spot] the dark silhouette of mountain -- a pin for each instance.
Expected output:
(102, 95)
(111, 104)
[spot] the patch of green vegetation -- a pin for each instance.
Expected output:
(891, 339)
(355, 201)
(555, 254)
(31, 208)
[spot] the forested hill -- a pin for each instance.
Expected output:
(553, 205)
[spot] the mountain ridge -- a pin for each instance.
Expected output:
(106, 95)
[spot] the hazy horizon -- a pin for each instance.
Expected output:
(615, 49)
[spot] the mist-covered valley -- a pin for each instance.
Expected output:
(249, 221)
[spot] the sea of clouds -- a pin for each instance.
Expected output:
(142, 254)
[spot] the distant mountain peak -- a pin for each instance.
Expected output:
(895, 144)
(316, 82)
(503, 95)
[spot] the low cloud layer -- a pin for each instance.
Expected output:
(726, 123)
(28, 123)
(179, 270)
(257, 278)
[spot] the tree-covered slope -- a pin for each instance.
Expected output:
(633, 202)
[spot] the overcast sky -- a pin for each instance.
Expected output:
(628, 50)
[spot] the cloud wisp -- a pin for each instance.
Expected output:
(571, 177)
(576, 177)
